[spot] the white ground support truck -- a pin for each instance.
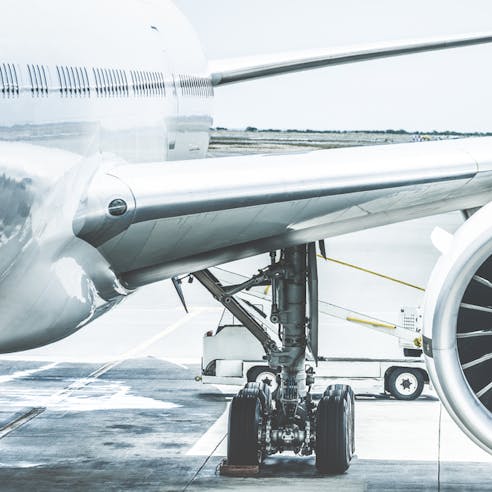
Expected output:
(232, 355)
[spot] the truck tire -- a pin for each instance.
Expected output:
(263, 374)
(405, 383)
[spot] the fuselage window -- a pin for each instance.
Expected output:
(144, 83)
(101, 82)
(66, 80)
(39, 80)
(125, 81)
(107, 88)
(96, 80)
(15, 80)
(2, 80)
(86, 81)
(76, 78)
(155, 83)
(61, 82)
(70, 81)
(45, 79)
(116, 88)
(110, 81)
(31, 78)
(152, 83)
(163, 83)
(140, 82)
(119, 82)
(149, 83)
(10, 79)
(107, 84)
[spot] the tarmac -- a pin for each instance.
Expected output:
(146, 424)
(116, 405)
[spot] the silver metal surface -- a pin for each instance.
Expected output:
(471, 246)
(55, 140)
(238, 70)
(251, 205)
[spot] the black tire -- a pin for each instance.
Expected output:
(405, 383)
(335, 431)
(245, 416)
(333, 388)
(344, 388)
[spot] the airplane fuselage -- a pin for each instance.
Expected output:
(77, 96)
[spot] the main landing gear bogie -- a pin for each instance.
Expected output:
(256, 429)
(262, 423)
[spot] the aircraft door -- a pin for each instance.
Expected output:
(172, 108)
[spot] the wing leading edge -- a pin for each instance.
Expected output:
(242, 69)
(185, 216)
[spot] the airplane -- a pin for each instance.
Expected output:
(105, 187)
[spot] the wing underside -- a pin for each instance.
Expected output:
(185, 216)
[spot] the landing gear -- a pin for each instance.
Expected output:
(259, 425)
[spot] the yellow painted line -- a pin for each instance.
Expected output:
(371, 272)
(378, 324)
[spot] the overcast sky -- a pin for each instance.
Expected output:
(442, 90)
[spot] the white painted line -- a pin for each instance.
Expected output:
(173, 361)
(60, 396)
(81, 383)
(24, 374)
(206, 445)
(20, 421)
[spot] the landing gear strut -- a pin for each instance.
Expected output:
(261, 423)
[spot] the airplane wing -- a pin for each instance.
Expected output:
(242, 69)
(154, 221)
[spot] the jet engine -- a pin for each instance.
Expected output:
(457, 338)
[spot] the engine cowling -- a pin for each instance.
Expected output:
(458, 327)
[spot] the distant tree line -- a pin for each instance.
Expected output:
(388, 131)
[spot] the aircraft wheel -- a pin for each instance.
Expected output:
(245, 418)
(335, 430)
(406, 384)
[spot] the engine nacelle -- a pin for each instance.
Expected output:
(458, 327)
